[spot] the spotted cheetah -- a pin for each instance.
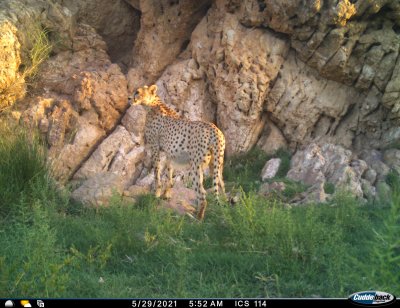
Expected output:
(183, 141)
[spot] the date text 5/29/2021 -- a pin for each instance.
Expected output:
(198, 303)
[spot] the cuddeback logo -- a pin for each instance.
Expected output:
(372, 298)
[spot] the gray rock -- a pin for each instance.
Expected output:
(266, 189)
(370, 176)
(316, 194)
(270, 169)
(165, 28)
(359, 166)
(392, 158)
(97, 190)
(307, 165)
(116, 163)
(271, 139)
(374, 159)
(329, 163)
(188, 95)
(368, 190)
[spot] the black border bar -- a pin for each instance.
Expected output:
(186, 303)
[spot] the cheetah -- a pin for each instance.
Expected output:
(197, 143)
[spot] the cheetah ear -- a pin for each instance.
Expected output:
(153, 89)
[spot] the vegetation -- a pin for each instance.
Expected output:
(244, 170)
(39, 50)
(329, 188)
(51, 247)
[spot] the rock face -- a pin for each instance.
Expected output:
(308, 107)
(239, 63)
(10, 62)
(271, 73)
(165, 29)
(116, 21)
(182, 87)
(354, 46)
(118, 161)
(392, 158)
(332, 85)
(81, 97)
(271, 139)
(21, 21)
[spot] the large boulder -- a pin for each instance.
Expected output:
(97, 190)
(118, 159)
(270, 168)
(79, 97)
(374, 159)
(391, 157)
(240, 65)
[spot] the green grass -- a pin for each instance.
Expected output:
(329, 188)
(39, 52)
(244, 170)
(257, 248)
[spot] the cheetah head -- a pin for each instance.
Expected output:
(146, 96)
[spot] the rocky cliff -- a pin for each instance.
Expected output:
(270, 73)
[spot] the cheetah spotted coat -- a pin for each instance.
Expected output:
(195, 142)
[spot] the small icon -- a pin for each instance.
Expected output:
(25, 303)
(40, 303)
(9, 304)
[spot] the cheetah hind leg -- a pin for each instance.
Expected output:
(200, 191)
(170, 182)
(216, 169)
(157, 183)
(188, 179)
(221, 180)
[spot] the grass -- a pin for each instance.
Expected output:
(244, 170)
(39, 50)
(257, 248)
(329, 188)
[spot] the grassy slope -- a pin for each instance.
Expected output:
(53, 248)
